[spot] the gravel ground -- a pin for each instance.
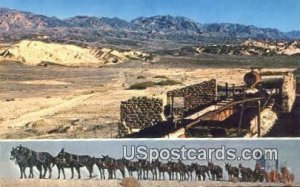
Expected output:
(127, 183)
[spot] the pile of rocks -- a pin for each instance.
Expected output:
(195, 96)
(141, 112)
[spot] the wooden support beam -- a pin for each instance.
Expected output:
(258, 119)
(226, 89)
(241, 119)
(172, 107)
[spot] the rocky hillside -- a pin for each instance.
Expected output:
(142, 32)
(166, 24)
(15, 20)
(247, 48)
(293, 34)
(97, 23)
(37, 52)
(228, 30)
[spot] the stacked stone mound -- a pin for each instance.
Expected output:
(140, 112)
(288, 92)
(195, 96)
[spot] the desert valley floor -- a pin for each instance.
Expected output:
(83, 102)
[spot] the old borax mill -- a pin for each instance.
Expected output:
(207, 109)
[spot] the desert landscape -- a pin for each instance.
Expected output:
(102, 93)
(46, 102)
(66, 78)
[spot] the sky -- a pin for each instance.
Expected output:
(281, 14)
(288, 151)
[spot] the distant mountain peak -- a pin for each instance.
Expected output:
(176, 29)
(98, 23)
(167, 23)
(12, 19)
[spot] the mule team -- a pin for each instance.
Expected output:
(43, 161)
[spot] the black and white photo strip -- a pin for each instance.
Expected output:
(149, 93)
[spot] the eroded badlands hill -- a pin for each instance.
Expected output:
(37, 52)
(248, 48)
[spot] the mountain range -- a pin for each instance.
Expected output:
(157, 31)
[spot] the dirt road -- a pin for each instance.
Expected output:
(37, 115)
(33, 116)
